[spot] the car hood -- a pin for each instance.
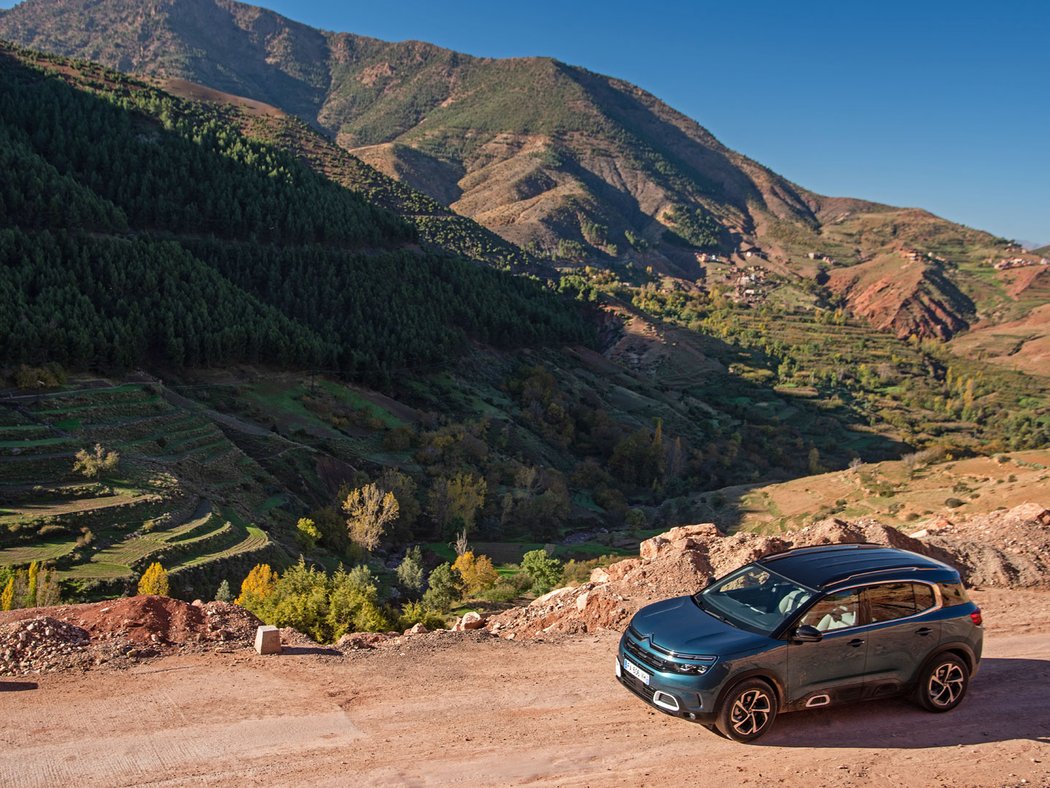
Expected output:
(679, 625)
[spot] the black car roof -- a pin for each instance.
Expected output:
(827, 565)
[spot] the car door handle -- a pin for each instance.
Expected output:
(856, 642)
(924, 631)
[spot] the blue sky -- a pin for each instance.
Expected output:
(941, 105)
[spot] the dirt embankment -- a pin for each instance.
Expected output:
(120, 633)
(1005, 549)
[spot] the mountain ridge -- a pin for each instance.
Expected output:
(565, 163)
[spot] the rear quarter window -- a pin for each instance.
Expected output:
(953, 594)
(924, 598)
(889, 601)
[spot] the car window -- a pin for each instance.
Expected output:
(754, 598)
(924, 599)
(837, 611)
(890, 600)
(953, 594)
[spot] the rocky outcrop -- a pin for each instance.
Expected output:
(1010, 549)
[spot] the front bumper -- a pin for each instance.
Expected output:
(677, 696)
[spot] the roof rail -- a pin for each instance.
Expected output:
(879, 571)
(816, 547)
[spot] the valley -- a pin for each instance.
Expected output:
(253, 272)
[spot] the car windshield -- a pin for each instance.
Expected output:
(754, 598)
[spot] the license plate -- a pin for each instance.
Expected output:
(636, 671)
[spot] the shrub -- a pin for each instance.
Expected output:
(478, 573)
(7, 596)
(580, 571)
(307, 533)
(507, 588)
(635, 519)
(410, 570)
(544, 569)
(223, 593)
(257, 587)
(445, 588)
(953, 503)
(413, 613)
(352, 604)
(299, 599)
(154, 580)
(92, 464)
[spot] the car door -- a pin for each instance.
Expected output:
(834, 666)
(899, 635)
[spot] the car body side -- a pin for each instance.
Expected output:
(805, 674)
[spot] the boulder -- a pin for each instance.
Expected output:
(472, 620)
(681, 538)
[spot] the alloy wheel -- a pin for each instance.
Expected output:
(751, 712)
(946, 684)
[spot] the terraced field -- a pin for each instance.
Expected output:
(182, 494)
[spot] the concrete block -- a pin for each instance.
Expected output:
(268, 640)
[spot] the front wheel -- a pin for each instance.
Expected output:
(748, 711)
(943, 684)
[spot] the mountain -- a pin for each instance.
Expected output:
(142, 229)
(254, 319)
(565, 163)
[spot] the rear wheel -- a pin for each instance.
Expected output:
(943, 683)
(747, 711)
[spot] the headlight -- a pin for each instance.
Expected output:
(692, 669)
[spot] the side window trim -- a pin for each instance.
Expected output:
(937, 602)
(863, 612)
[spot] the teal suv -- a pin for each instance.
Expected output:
(803, 629)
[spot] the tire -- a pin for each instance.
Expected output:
(942, 683)
(747, 711)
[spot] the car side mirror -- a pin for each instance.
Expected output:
(807, 634)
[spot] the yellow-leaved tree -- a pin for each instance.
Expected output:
(369, 511)
(154, 580)
(7, 597)
(34, 573)
(257, 587)
(478, 573)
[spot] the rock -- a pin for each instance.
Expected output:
(550, 596)
(472, 620)
(417, 629)
(268, 640)
(684, 537)
(581, 601)
(599, 575)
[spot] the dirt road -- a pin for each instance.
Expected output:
(466, 709)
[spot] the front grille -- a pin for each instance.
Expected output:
(634, 685)
(646, 658)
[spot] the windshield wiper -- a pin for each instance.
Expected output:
(700, 604)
